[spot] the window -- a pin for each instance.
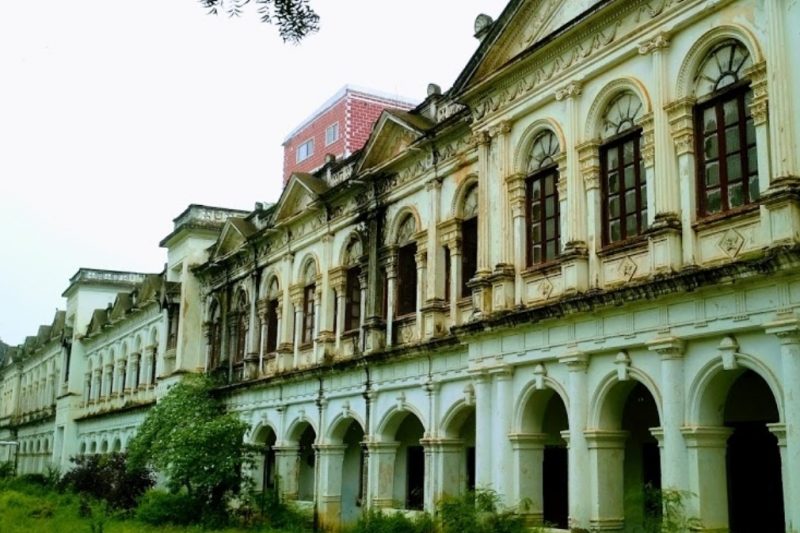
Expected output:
(406, 293)
(332, 133)
(272, 325)
(622, 178)
(172, 336)
(447, 266)
(214, 340)
(241, 317)
(469, 239)
(727, 163)
(308, 314)
(352, 316)
(305, 150)
(541, 201)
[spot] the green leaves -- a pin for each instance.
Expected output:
(190, 438)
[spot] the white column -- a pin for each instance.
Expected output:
(574, 237)
(501, 445)
(578, 452)
(781, 72)
(391, 284)
(484, 416)
(707, 475)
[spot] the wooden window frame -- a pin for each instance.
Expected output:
(469, 254)
(352, 301)
(406, 293)
(640, 186)
(307, 336)
(271, 344)
(241, 336)
(541, 175)
(736, 92)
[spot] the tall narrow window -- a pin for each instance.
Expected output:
(308, 313)
(173, 312)
(727, 163)
(447, 266)
(623, 184)
(469, 239)
(241, 328)
(542, 208)
(352, 317)
(272, 325)
(215, 338)
(406, 293)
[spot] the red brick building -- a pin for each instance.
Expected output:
(339, 127)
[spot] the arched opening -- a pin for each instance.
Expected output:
(642, 475)
(541, 454)
(626, 457)
(458, 453)
(753, 462)
(264, 468)
(306, 457)
(409, 464)
(352, 473)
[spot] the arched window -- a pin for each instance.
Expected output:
(273, 295)
(241, 317)
(624, 188)
(352, 312)
(406, 267)
(310, 279)
(469, 238)
(541, 192)
(727, 165)
(214, 336)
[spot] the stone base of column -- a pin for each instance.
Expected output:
(325, 346)
(374, 334)
(251, 370)
(502, 280)
(664, 242)
(575, 267)
(481, 289)
(434, 314)
(782, 203)
(284, 357)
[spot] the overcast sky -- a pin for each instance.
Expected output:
(116, 115)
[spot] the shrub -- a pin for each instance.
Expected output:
(108, 478)
(157, 508)
(6, 469)
(477, 512)
(375, 521)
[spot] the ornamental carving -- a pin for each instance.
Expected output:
(731, 243)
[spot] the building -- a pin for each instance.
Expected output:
(571, 276)
(340, 127)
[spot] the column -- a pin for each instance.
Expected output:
(254, 337)
(501, 446)
(480, 285)
(673, 453)
(788, 331)
(681, 123)
(527, 469)
(286, 464)
(96, 385)
(706, 448)
(87, 387)
(589, 157)
(484, 416)
(297, 302)
(577, 453)
(574, 239)
(606, 471)
(133, 371)
(381, 474)
(781, 126)
(319, 345)
(363, 277)
(421, 258)
(329, 496)
(434, 282)
(391, 278)
(448, 469)
(516, 199)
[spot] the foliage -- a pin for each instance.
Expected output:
(109, 478)
(158, 507)
(267, 509)
(6, 469)
(375, 521)
(190, 438)
(295, 19)
(665, 511)
(478, 512)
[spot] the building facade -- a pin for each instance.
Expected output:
(570, 278)
(339, 128)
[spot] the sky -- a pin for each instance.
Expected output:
(114, 116)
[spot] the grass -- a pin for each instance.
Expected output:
(25, 508)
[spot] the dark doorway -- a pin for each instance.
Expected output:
(470, 468)
(415, 485)
(556, 495)
(642, 465)
(753, 462)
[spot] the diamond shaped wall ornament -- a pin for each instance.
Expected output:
(627, 268)
(545, 288)
(731, 243)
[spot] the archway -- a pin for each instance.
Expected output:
(541, 452)
(456, 452)
(306, 457)
(753, 462)
(264, 468)
(352, 485)
(409, 464)
(625, 458)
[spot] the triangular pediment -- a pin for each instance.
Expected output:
(522, 26)
(233, 236)
(300, 195)
(392, 134)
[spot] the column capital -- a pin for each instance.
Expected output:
(706, 436)
(786, 329)
(527, 441)
(654, 44)
(605, 439)
(572, 90)
(667, 347)
(502, 372)
(576, 361)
